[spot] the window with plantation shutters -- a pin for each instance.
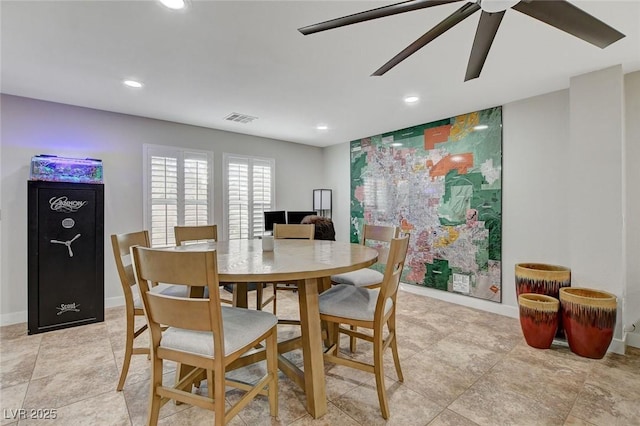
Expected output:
(250, 191)
(177, 189)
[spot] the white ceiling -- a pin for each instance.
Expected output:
(217, 57)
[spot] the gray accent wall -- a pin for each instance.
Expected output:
(31, 127)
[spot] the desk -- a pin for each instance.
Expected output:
(311, 263)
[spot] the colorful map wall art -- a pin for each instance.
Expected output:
(442, 183)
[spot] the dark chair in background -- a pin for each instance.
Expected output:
(324, 227)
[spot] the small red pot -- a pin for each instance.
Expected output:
(538, 319)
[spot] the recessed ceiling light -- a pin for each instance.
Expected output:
(411, 99)
(481, 127)
(132, 83)
(174, 4)
(322, 127)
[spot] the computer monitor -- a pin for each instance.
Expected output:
(273, 217)
(296, 217)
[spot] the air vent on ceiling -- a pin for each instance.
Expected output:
(240, 118)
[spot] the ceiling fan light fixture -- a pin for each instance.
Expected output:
(493, 6)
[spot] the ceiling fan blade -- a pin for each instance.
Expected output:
(379, 12)
(451, 20)
(486, 32)
(570, 19)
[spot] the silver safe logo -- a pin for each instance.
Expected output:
(69, 307)
(63, 204)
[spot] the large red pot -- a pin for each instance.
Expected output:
(542, 278)
(589, 318)
(538, 319)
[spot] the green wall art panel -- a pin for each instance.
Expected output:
(442, 183)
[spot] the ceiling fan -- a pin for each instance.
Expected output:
(557, 13)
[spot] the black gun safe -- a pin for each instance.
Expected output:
(65, 255)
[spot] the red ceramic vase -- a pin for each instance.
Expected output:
(538, 319)
(542, 278)
(589, 318)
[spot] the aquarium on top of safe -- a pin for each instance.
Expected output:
(52, 168)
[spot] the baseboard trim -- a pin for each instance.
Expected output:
(471, 302)
(22, 316)
(617, 346)
(13, 318)
(633, 339)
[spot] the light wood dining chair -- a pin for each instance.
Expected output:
(186, 234)
(290, 231)
(194, 234)
(371, 309)
(201, 334)
(121, 243)
(378, 237)
(294, 231)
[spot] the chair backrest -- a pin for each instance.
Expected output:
(393, 272)
(297, 231)
(195, 233)
(189, 268)
(121, 244)
(379, 237)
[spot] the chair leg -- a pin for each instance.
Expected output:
(218, 404)
(378, 367)
(394, 347)
(275, 296)
(210, 388)
(259, 288)
(154, 398)
(128, 351)
(334, 330)
(352, 340)
(272, 368)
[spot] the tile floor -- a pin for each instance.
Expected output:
(461, 367)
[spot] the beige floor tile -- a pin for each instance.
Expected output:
(575, 421)
(406, 406)
(435, 379)
(449, 418)
(334, 416)
(11, 399)
(489, 403)
(63, 388)
(113, 411)
(462, 367)
(18, 359)
(603, 405)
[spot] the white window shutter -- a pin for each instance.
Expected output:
(178, 187)
(196, 189)
(250, 192)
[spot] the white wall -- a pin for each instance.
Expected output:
(631, 155)
(338, 177)
(566, 190)
(596, 178)
(31, 127)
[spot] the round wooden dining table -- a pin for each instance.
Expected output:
(309, 262)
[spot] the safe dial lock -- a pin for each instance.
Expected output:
(67, 243)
